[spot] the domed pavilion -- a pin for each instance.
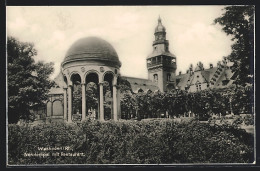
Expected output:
(87, 60)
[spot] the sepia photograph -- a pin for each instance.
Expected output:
(163, 85)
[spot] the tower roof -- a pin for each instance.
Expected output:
(159, 27)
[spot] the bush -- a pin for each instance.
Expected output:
(237, 121)
(135, 142)
(249, 120)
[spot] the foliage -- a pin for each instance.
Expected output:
(178, 103)
(124, 85)
(249, 120)
(77, 96)
(28, 82)
(145, 142)
(238, 21)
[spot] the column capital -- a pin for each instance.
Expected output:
(101, 83)
(83, 83)
(65, 87)
(69, 86)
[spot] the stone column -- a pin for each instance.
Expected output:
(115, 102)
(118, 104)
(230, 105)
(65, 107)
(70, 104)
(101, 103)
(83, 86)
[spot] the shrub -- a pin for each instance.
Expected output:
(249, 120)
(237, 121)
(161, 141)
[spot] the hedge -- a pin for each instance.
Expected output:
(131, 142)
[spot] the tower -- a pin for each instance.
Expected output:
(161, 64)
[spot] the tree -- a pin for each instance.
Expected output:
(124, 85)
(77, 96)
(28, 82)
(238, 21)
(92, 96)
(127, 105)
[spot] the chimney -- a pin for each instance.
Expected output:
(210, 65)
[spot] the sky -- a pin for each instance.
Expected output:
(129, 29)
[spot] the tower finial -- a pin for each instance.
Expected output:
(159, 19)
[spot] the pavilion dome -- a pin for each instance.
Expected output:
(92, 49)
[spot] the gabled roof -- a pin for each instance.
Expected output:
(59, 80)
(227, 74)
(204, 76)
(58, 88)
(183, 80)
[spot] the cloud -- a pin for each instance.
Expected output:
(203, 43)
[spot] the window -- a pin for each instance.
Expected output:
(198, 76)
(198, 87)
(168, 77)
(155, 77)
(178, 80)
